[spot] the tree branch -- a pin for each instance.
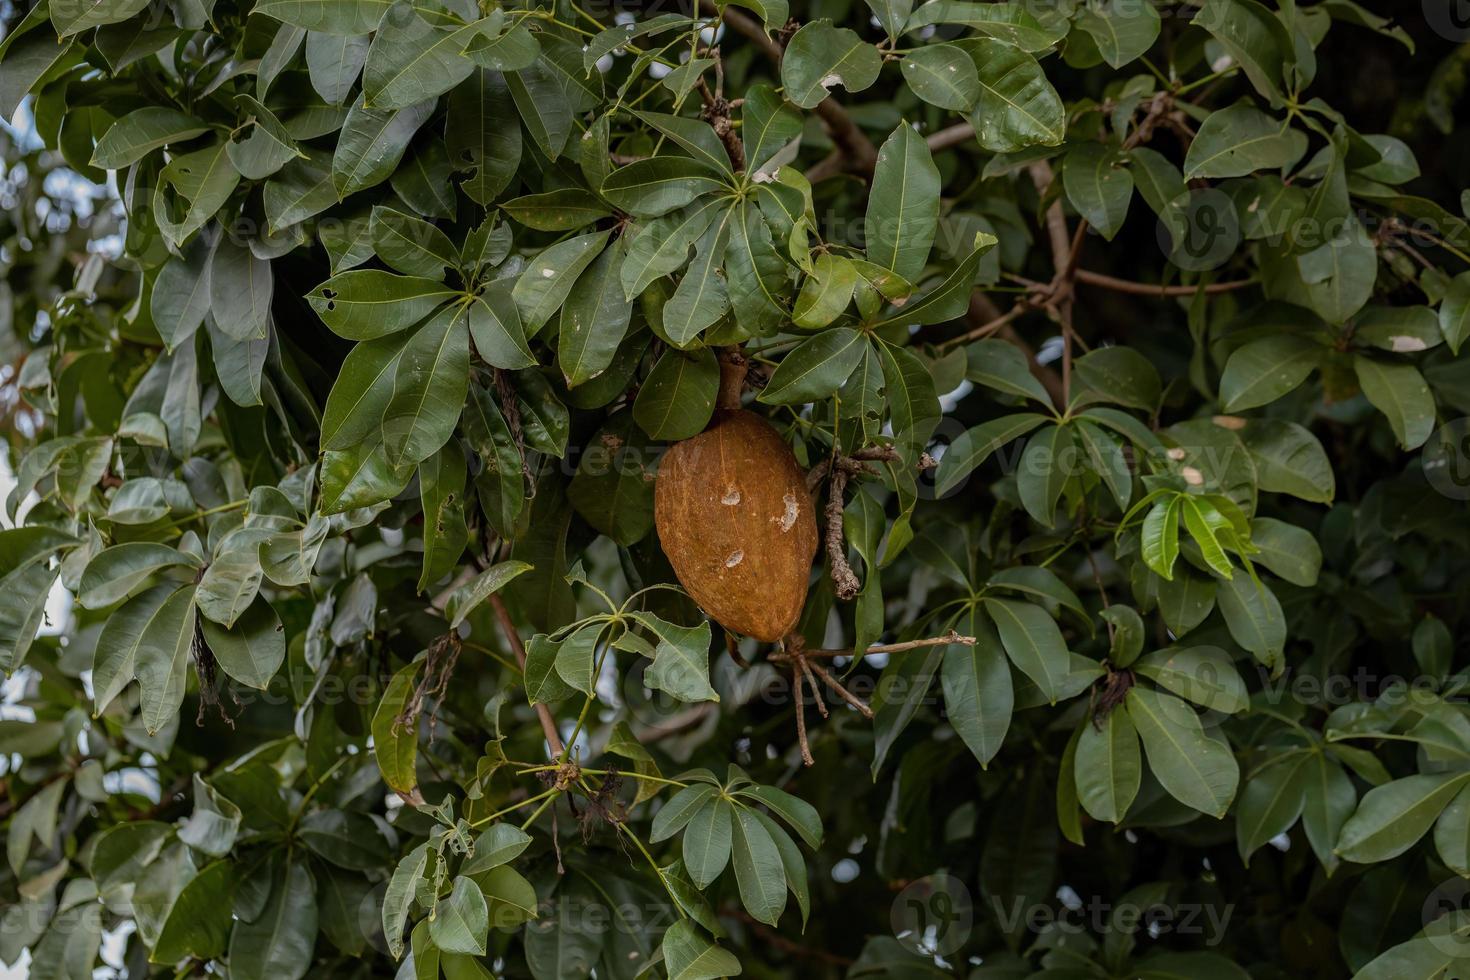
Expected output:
(950, 136)
(548, 723)
(857, 153)
(1149, 289)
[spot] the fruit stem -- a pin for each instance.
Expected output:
(733, 366)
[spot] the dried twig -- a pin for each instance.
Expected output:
(844, 580)
(857, 153)
(904, 647)
(805, 672)
(439, 667)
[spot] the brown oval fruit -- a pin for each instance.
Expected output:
(735, 519)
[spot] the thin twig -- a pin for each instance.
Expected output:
(1161, 291)
(842, 692)
(905, 646)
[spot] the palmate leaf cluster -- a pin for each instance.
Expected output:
(1124, 341)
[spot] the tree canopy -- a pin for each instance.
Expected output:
(1106, 353)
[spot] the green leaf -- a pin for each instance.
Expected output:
(564, 209)
(410, 61)
(240, 290)
(372, 143)
(1240, 139)
(820, 56)
(1330, 800)
(496, 328)
(141, 132)
(1109, 766)
(680, 665)
(1391, 818)
(199, 922)
(511, 897)
(1018, 106)
(658, 185)
(756, 276)
(277, 944)
(1270, 804)
(395, 747)
(1106, 455)
(800, 815)
(163, 658)
(1046, 465)
(441, 493)
(253, 649)
(500, 843)
(461, 922)
(675, 814)
(942, 75)
(707, 842)
(677, 398)
(1204, 675)
(1194, 768)
(826, 292)
(359, 398)
(1454, 312)
(903, 207)
(337, 17)
(430, 383)
(768, 125)
(477, 136)
(231, 581)
(690, 956)
(1399, 392)
(974, 446)
(662, 246)
(1001, 365)
(759, 870)
(398, 897)
(334, 62)
(548, 278)
(1254, 38)
(1098, 185)
(366, 304)
(411, 246)
(544, 683)
(1452, 834)
(267, 149)
(816, 368)
(1122, 31)
(116, 572)
(1289, 459)
(1013, 24)
(594, 320)
(464, 600)
(500, 485)
(204, 179)
(978, 695)
(1033, 642)
(1261, 371)
(951, 298)
(913, 404)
